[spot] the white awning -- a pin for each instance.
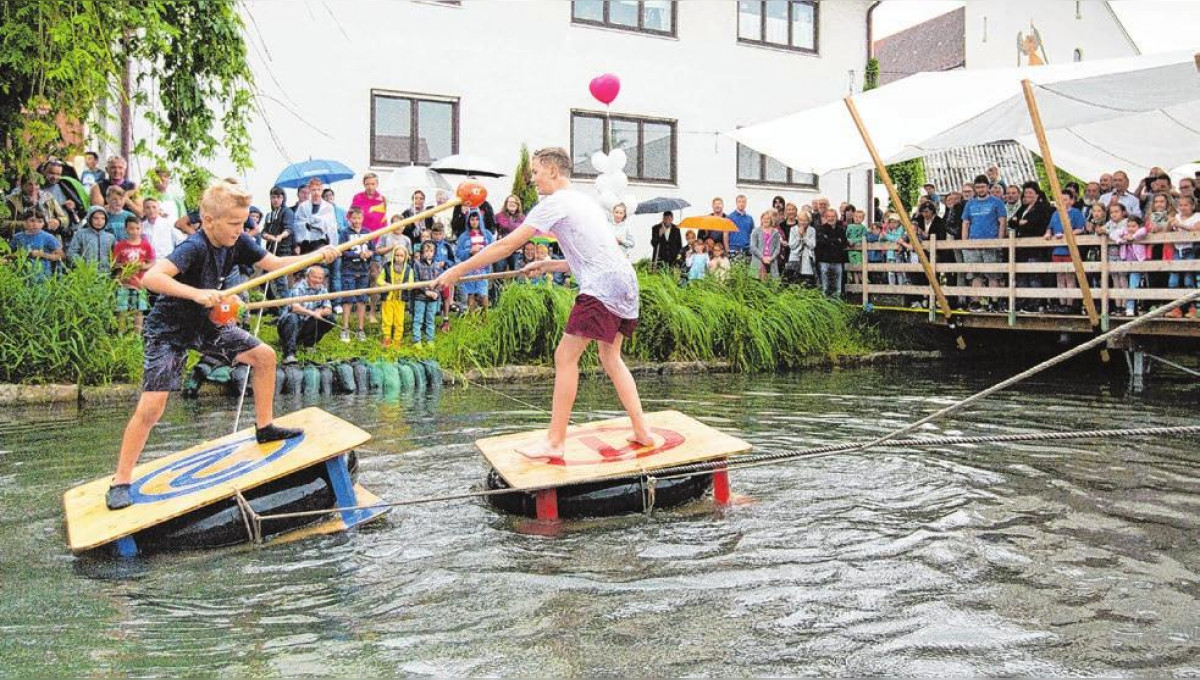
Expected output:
(1100, 116)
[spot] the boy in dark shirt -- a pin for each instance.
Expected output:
(190, 281)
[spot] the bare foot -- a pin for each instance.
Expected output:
(540, 449)
(643, 439)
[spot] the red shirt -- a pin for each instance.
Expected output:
(374, 210)
(126, 253)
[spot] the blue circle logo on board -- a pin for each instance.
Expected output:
(205, 469)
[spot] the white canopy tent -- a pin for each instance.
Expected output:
(1130, 114)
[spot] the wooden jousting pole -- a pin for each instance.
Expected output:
(469, 193)
(1056, 190)
(414, 285)
(943, 304)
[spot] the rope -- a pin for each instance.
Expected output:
(758, 460)
(649, 493)
(237, 418)
(1172, 364)
(249, 517)
(693, 469)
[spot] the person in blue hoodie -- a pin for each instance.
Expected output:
(474, 239)
(444, 258)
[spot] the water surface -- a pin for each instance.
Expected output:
(1047, 559)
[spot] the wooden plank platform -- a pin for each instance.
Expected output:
(599, 449)
(337, 523)
(215, 470)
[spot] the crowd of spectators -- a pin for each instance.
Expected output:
(62, 216)
(811, 244)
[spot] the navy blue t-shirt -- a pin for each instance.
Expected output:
(204, 266)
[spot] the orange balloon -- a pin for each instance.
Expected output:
(472, 193)
(227, 311)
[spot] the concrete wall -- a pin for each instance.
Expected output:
(517, 70)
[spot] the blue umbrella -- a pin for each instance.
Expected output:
(298, 174)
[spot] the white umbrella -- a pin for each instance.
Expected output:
(468, 164)
(1131, 113)
(415, 177)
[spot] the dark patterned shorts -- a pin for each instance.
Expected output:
(164, 363)
(591, 319)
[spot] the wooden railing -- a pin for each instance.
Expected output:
(1100, 271)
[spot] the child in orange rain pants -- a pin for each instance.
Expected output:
(397, 271)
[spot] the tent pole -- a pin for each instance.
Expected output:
(1068, 234)
(943, 304)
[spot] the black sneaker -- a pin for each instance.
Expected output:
(274, 433)
(118, 497)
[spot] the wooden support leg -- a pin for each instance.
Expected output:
(721, 487)
(547, 504)
(343, 488)
(127, 547)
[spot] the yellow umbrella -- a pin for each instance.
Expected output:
(708, 223)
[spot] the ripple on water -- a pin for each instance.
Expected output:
(1009, 559)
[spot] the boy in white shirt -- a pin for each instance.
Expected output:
(606, 308)
(160, 231)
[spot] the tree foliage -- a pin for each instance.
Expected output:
(1064, 177)
(62, 61)
(523, 187)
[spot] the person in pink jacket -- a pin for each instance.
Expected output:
(1132, 251)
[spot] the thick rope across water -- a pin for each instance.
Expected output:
(755, 460)
(758, 460)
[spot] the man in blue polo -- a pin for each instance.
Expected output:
(984, 217)
(739, 241)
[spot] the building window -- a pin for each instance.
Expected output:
(408, 130)
(644, 16)
(755, 168)
(649, 143)
(790, 24)
(1078, 54)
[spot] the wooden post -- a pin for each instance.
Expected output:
(933, 268)
(721, 495)
(908, 227)
(865, 275)
(1012, 277)
(316, 257)
(546, 504)
(1068, 234)
(1104, 283)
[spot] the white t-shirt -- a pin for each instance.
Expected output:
(163, 236)
(1189, 224)
(587, 243)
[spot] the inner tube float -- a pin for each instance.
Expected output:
(221, 524)
(602, 499)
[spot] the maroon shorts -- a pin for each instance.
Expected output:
(591, 319)
(1060, 258)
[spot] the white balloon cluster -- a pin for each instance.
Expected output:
(613, 183)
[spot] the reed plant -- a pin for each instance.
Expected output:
(751, 324)
(62, 328)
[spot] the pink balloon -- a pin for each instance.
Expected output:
(605, 88)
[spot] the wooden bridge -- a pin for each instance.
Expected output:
(1100, 271)
(951, 274)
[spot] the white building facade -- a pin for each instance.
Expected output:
(1003, 33)
(380, 84)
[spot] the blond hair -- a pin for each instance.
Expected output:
(555, 156)
(224, 195)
